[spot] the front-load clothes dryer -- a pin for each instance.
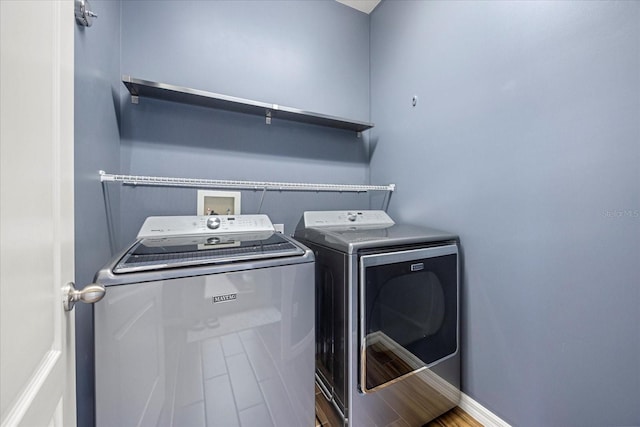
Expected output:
(206, 322)
(387, 317)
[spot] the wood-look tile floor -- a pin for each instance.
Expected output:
(326, 416)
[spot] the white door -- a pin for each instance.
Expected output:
(37, 372)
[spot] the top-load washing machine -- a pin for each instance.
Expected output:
(387, 317)
(207, 321)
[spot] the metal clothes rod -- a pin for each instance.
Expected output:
(246, 185)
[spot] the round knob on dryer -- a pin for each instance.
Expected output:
(351, 216)
(213, 222)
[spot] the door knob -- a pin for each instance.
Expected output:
(89, 294)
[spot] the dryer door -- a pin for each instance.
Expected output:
(408, 312)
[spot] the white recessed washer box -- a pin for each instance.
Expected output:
(218, 202)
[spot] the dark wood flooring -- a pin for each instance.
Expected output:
(326, 416)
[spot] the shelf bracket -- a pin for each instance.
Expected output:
(268, 117)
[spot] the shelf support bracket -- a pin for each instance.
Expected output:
(268, 117)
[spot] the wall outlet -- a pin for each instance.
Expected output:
(279, 228)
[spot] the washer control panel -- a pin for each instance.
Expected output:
(155, 226)
(320, 219)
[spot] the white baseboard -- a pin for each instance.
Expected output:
(480, 413)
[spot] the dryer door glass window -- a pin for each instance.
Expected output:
(409, 312)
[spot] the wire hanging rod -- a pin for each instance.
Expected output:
(246, 185)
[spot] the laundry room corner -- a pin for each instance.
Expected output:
(513, 125)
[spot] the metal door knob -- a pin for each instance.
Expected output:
(89, 294)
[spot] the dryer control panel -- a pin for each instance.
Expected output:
(321, 219)
(156, 226)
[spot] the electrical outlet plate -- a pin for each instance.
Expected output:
(218, 202)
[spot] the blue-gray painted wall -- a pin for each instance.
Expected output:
(525, 141)
(97, 146)
(312, 55)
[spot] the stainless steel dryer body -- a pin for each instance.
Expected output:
(387, 317)
(205, 328)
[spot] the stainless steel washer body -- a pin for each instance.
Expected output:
(206, 323)
(387, 317)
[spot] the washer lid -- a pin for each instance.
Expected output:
(157, 253)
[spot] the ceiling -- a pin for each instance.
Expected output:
(365, 6)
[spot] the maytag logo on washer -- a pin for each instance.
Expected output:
(223, 298)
